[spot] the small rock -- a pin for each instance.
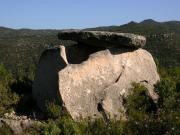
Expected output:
(24, 117)
(17, 126)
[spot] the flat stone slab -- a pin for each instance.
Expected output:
(103, 39)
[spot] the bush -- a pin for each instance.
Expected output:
(65, 125)
(166, 90)
(96, 127)
(68, 126)
(139, 104)
(147, 118)
(53, 110)
(169, 105)
(8, 98)
(50, 128)
(5, 130)
(141, 112)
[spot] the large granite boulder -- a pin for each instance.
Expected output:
(104, 39)
(103, 80)
(91, 80)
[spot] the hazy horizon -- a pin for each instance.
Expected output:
(68, 14)
(87, 27)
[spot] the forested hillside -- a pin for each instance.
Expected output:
(20, 49)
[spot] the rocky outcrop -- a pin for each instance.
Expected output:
(16, 123)
(104, 39)
(17, 126)
(103, 80)
(92, 81)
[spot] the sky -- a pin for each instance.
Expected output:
(65, 14)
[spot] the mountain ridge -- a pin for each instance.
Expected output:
(146, 21)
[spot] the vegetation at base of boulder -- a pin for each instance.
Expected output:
(67, 126)
(144, 116)
(139, 104)
(15, 94)
(169, 101)
(8, 98)
(148, 118)
(53, 110)
(5, 130)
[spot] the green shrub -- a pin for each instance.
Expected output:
(68, 126)
(143, 116)
(100, 127)
(90, 127)
(139, 104)
(116, 128)
(53, 110)
(50, 128)
(8, 98)
(166, 90)
(141, 112)
(96, 127)
(65, 125)
(5, 130)
(169, 105)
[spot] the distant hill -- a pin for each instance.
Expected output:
(20, 49)
(143, 27)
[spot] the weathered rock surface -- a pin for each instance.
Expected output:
(17, 126)
(16, 123)
(104, 39)
(91, 78)
(99, 84)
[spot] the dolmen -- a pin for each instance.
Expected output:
(91, 78)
